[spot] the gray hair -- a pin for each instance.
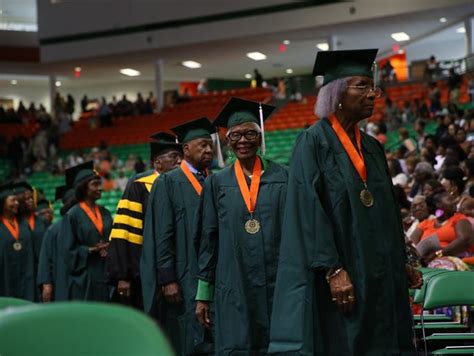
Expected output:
(254, 124)
(329, 97)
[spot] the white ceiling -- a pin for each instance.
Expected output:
(18, 12)
(226, 59)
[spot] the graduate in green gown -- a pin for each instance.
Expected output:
(17, 269)
(240, 228)
(45, 212)
(169, 258)
(342, 284)
(126, 237)
(26, 196)
(52, 272)
(84, 232)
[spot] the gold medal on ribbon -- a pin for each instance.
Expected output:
(17, 246)
(252, 226)
(366, 197)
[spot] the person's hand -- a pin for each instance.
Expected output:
(415, 277)
(94, 249)
(103, 248)
(47, 293)
(426, 259)
(202, 314)
(123, 288)
(342, 291)
(172, 293)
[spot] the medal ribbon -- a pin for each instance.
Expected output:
(95, 218)
(357, 158)
(31, 222)
(192, 179)
(13, 228)
(249, 196)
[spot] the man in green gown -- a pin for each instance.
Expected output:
(17, 269)
(52, 271)
(168, 257)
(126, 237)
(240, 228)
(342, 286)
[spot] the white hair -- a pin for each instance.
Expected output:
(254, 124)
(329, 97)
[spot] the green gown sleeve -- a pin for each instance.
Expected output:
(163, 215)
(208, 242)
(46, 258)
(76, 253)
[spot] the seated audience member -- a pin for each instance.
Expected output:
(395, 170)
(450, 232)
(407, 141)
(419, 212)
(423, 172)
(454, 183)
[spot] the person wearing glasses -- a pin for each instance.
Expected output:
(126, 237)
(240, 221)
(343, 278)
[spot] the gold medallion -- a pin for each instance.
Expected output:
(252, 226)
(17, 246)
(366, 198)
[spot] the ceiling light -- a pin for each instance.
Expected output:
(58, 84)
(400, 36)
(14, 82)
(461, 30)
(323, 46)
(191, 64)
(443, 19)
(256, 56)
(130, 72)
(289, 71)
(77, 69)
(286, 42)
(248, 76)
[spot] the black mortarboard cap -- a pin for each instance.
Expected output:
(77, 173)
(238, 111)
(199, 128)
(163, 142)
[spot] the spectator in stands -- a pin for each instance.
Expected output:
(139, 105)
(84, 232)
(419, 212)
(84, 103)
(469, 164)
(113, 106)
(21, 111)
(434, 95)
(104, 114)
(423, 173)
(124, 106)
(454, 183)
(202, 87)
(150, 104)
(59, 104)
(392, 114)
(258, 78)
(108, 183)
(419, 128)
(451, 230)
(454, 82)
(407, 141)
(139, 165)
(395, 170)
(121, 181)
(16, 249)
(431, 69)
(70, 105)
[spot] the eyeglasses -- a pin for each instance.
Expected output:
(170, 155)
(366, 89)
(249, 135)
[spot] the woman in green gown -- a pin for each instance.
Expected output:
(342, 284)
(240, 223)
(84, 234)
(17, 271)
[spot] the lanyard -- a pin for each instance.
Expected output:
(249, 195)
(192, 179)
(13, 228)
(95, 218)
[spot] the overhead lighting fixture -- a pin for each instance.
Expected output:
(400, 36)
(443, 20)
(130, 72)
(77, 69)
(58, 84)
(248, 76)
(191, 64)
(256, 56)
(14, 82)
(289, 71)
(323, 46)
(286, 42)
(461, 30)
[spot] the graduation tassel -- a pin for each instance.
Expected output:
(176, 140)
(220, 157)
(374, 71)
(260, 111)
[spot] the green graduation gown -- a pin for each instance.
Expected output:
(17, 268)
(326, 226)
(87, 279)
(37, 235)
(168, 255)
(241, 266)
(52, 268)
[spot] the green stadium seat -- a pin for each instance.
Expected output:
(77, 329)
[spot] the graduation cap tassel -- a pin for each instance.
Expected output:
(220, 157)
(176, 140)
(375, 70)
(260, 111)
